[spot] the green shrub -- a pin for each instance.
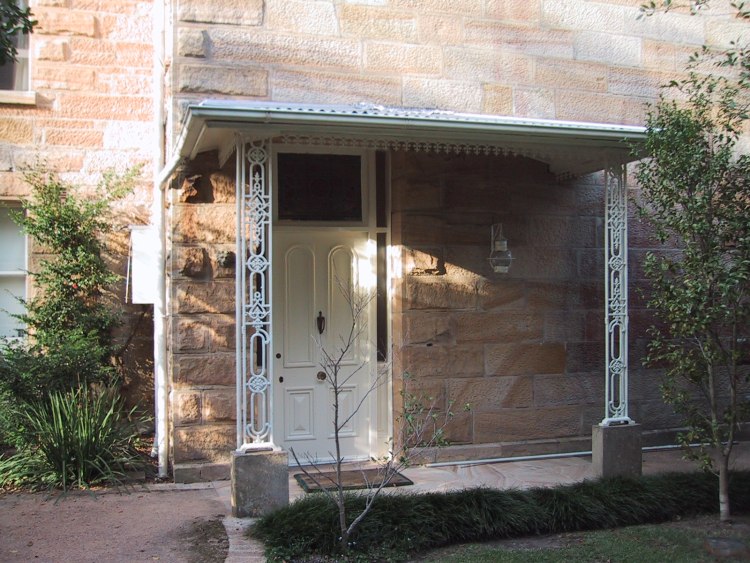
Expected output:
(73, 439)
(399, 525)
(68, 322)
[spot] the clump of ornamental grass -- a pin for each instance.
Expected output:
(73, 439)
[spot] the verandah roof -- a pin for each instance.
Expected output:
(569, 148)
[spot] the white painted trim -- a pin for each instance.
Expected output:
(19, 97)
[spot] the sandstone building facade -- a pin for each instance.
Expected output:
(387, 138)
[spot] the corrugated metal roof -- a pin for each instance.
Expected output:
(568, 147)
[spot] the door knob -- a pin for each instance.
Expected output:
(321, 321)
(321, 375)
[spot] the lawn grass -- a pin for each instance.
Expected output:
(671, 542)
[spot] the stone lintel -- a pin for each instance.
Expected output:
(616, 450)
(260, 482)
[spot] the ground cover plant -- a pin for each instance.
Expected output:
(399, 525)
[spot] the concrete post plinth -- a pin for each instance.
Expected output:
(260, 482)
(616, 450)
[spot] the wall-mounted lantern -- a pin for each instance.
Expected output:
(500, 257)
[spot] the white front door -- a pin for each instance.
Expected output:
(313, 272)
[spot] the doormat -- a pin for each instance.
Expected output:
(355, 479)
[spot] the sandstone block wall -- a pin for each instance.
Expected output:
(91, 68)
(587, 60)
(526, 349)
(202, 335)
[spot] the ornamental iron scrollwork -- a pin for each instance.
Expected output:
(616, 297)
(254, 384)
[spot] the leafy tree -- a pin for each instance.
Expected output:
(696, 193)
(13, 20)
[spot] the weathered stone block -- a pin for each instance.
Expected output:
(578, 389)
(507, 326)
(440, 29)
(490, 393)
(237, 46)
(535, 102)
(459, 428)
(608, 48)
(524, 359)
(510, 425)
(88, 106)
(188, 408)
(192, 43)
(569, 14)
(430, 293)
(637, 82)
(377, 23)
(233, 81)
(566, 326)
(528, 40)
(514, 10)
(65, 22)
(402, 58)
(428, 393)
(456, 95)
(683, 29)
(497, 100)
(219, 406)
(208, 369)
(558, 73)
(211, 297)
(16, 131)
(427, 328)
(455, 7)
(200, 472)
(501, 294)
(231, 12)
(192, 261)
(332, 87)
(260, 482)
(223, 188)
(205, 223)
(222, 333)
(465, 360)
(212, 443)
(487, 66)
(52, 50)
(423, 261)
(315, 18)
(616, 451)
(585, 356)
(190, 335)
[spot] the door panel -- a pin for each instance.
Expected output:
(299, 264)
(314, 274)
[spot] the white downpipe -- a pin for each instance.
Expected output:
(161, 396)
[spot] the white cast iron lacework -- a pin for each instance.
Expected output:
(616, 297)
(254, 296)
(543, 153)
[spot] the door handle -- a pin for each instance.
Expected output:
(321, 322)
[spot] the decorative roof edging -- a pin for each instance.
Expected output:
(569, 148)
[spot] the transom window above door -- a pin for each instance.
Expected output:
(322, 188)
